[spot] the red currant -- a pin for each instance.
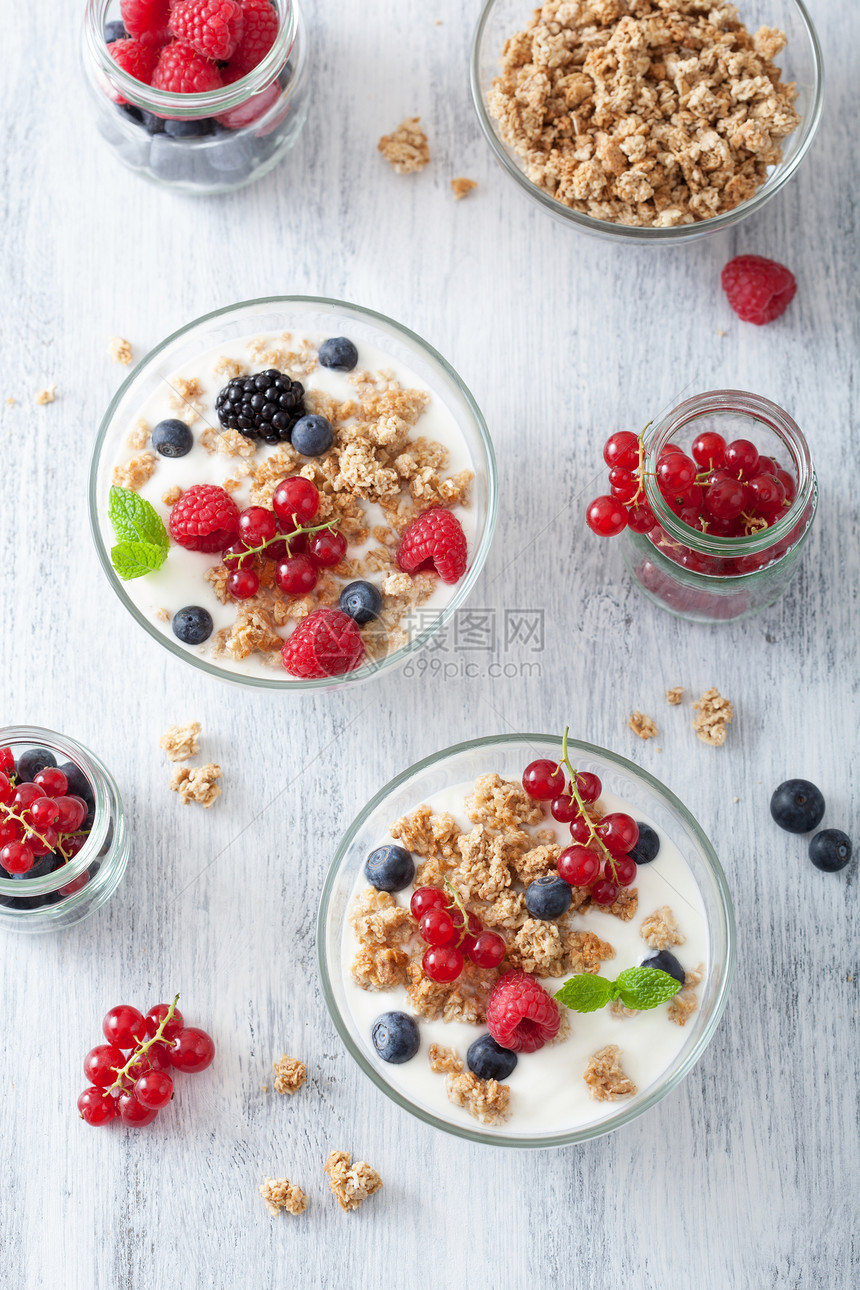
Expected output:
(623, 484)
(708, 450)
(102, 1063)
(133, 1112)
(442, 963)
(641, 518)
(73, 844)
(10, 831)
(606, 516)
(296, 499)
(42, 843)
(765, 493)
(543, 779)
(741, 458)
(153, 1090)
(424, 898)
(437, 927)
(623, 870)
(580, 830)
(725, 499)
(72, 813)
(619, 833)
(234, 556)
(16, 857)
(76, 885)
(578, 866)
(604, 892)
(193, 1050)
(124, 1026)
(25, 795)
(564, 809)
(297, 575)
(96, 1107)
(52, 781)
(588, 785)
(326, 548)
(6, 789)
(42, 813)
(676, 473)
(257, 525)
(242, 584)
(488, 950)
(788, 484)
(156, 1015)
(669, 450)
(622, 449)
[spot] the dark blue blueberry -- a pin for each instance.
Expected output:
(114, 31)
(189, 129)
(79, 785)
(45, 865)
(548, 897)
(339, 353)
(665, 962)
(32, 761)
(133, 113)
(797, 806)
(108, 842)
(395, 1037)
(173, 161)
(389, 868)
(152, 124)
(362, 601)
(830, 850)
(231, 156)
(489, 1060)
(192, 625)
(648, 845)
(172, 438)
(312, 435)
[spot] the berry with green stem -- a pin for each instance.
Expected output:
(153, 1090)
(96, 1107)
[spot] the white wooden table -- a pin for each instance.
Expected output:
(748, 1174)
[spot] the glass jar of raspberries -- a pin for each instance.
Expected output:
(202, 96)
(63, 837)
(725, 497)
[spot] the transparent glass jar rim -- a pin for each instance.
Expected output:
(760, 409)
(190, 106)
(99, 778)
(538, 743)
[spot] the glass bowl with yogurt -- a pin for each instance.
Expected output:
(549, 1098)
(406, 435)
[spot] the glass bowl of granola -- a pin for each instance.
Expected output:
(627, 124)
(293, 493)
(460, 829)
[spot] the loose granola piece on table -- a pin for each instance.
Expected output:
(485, 1099)
(675, 695)
(502, 804)
(282, 1196)
(461, 187)
(444, 1061)
(605, 1077)
(714, 715)
(120, 350)
(180, 742)
(47, 394)
(660, 929)
(290, 1074)
(642, 725)
(351, 1184)
(196, 784)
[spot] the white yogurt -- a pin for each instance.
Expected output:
(180, 580)
(548, 1092)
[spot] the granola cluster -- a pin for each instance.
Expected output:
(605, 1076)
(196, 784)
(351, 1184)
(280, 1195)
(642, 725)
(714, 715)
(181, 742)
(290, 1074)
(684, 1003)
(406, 148)
(660, 929)
(654, 113)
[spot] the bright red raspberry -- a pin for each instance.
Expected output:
(520, 1014)
(181, 70)
(326, 643)
(204, 519)
(146, 18)
(134, 57)
(759, 290)
(258, 35)
(435, 538)
(212, 27)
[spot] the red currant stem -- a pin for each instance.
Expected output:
(574, 792)
(287, 537)
(78, 833)
(34, 833)
(141, 1048)
(640, 469)
(458, 901)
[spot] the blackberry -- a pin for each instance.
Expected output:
(265, 406)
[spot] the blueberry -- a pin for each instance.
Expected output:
(648, 845)
(488, 1060)
(173, 161)
(797, 806)
(32, 761)
(193, 624)
(389, 868)
(830, 850)
(362, 601)
(108, 842)
(665, 962)
(45, 865)
(114, 31)
(152, 124)
(133, 113)
(312, 435)
(172, 438)
(189, 129)
(395, 1037)
(232, 156)
(79, 785)
(548, 897)
(339, 353)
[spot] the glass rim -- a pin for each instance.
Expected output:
(631, 232)
(373, 667)
(661, 1087)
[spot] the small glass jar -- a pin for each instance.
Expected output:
(201, 143)
(698, 575)
(89, 878)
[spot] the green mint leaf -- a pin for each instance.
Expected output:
(585, 993)
(134, 519)
(134, 559)
(644, 987)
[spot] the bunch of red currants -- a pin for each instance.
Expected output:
(452, 935)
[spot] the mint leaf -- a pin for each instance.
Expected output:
(644, 987)
(585, 993)
(134, 519)
(134, 559)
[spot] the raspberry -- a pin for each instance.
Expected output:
(212, 27)
(259, 30)
(520, 1014)
(326, 643)
(204, 519)
(434, 538)
(134, 57)
(146, 18)
(759, 290)
(181, 70)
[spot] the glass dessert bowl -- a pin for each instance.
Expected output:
(518, 141)
(376, 975)
(335, 576)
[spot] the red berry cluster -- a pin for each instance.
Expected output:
(128, 1075)
(452, 934)
(599, 857)
(38, 818)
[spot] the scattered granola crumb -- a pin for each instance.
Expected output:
(46, 395)
(11, 402)
(139, 436)
(290, 1074)
(196, 784)
(406, 149)
(444, 1061)
(229, 367)
(620, 1010)
(684, 1003)
(485, 1099)
(660, 929)
(736, 799)
(675, 695)
(136, 471)
(715, 713)
(172, 495)
(605, 1077)
(351, 1184)
(280, 1194)
(180, 742)
(163, 615)
(462, 187)
(120, 350)
(624, 906)
(643, 726)
(720, 331)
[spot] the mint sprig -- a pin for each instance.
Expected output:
(637, 987)
(143, 543)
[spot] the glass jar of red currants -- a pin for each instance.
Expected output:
(729, 482)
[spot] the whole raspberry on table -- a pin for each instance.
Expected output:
(327, 643)
(147, 18)
(181, 70)
(434, 538)
(135, 57)
(521, 1015)
(758, 290)
(204, 519)
(212, 27)
(259, 29)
